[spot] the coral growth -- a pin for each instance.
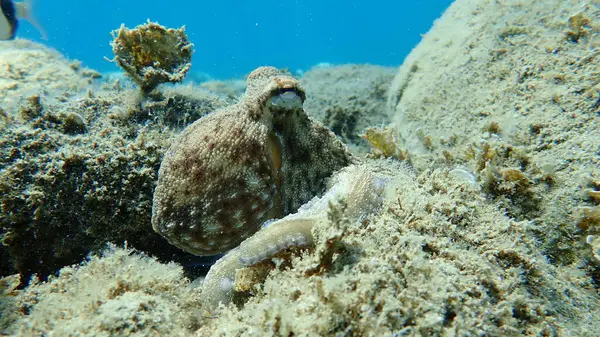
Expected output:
(579, 26)
(384, 143)
(152, 54)
(594, 241)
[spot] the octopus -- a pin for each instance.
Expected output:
(228, 175)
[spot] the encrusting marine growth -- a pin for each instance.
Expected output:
(151, 54)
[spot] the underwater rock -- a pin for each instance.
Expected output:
(523, 101)
(236, 168)
(175, 107)
(118, 292)
(348, 99)
(74, 176)
(28, 68)
(232, 89)
(152, 54)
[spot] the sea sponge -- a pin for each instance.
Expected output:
(152, 54)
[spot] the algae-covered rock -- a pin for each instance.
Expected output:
(121, 294)
(28, 68)
(522, 113)
(348, 99)
(80, 172)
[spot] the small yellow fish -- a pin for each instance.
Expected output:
(11, 13)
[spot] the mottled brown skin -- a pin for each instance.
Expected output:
(238, 167)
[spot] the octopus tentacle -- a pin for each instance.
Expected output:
(362, 191)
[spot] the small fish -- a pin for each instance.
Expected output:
(11, 13)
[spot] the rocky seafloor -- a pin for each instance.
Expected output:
(484, 230)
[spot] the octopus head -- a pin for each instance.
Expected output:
(276, 93)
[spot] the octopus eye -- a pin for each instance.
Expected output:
(288, 99)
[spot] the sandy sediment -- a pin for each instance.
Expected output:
(482, 233)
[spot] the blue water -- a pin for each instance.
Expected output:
(234, 37)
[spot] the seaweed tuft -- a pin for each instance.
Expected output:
(152, 54)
